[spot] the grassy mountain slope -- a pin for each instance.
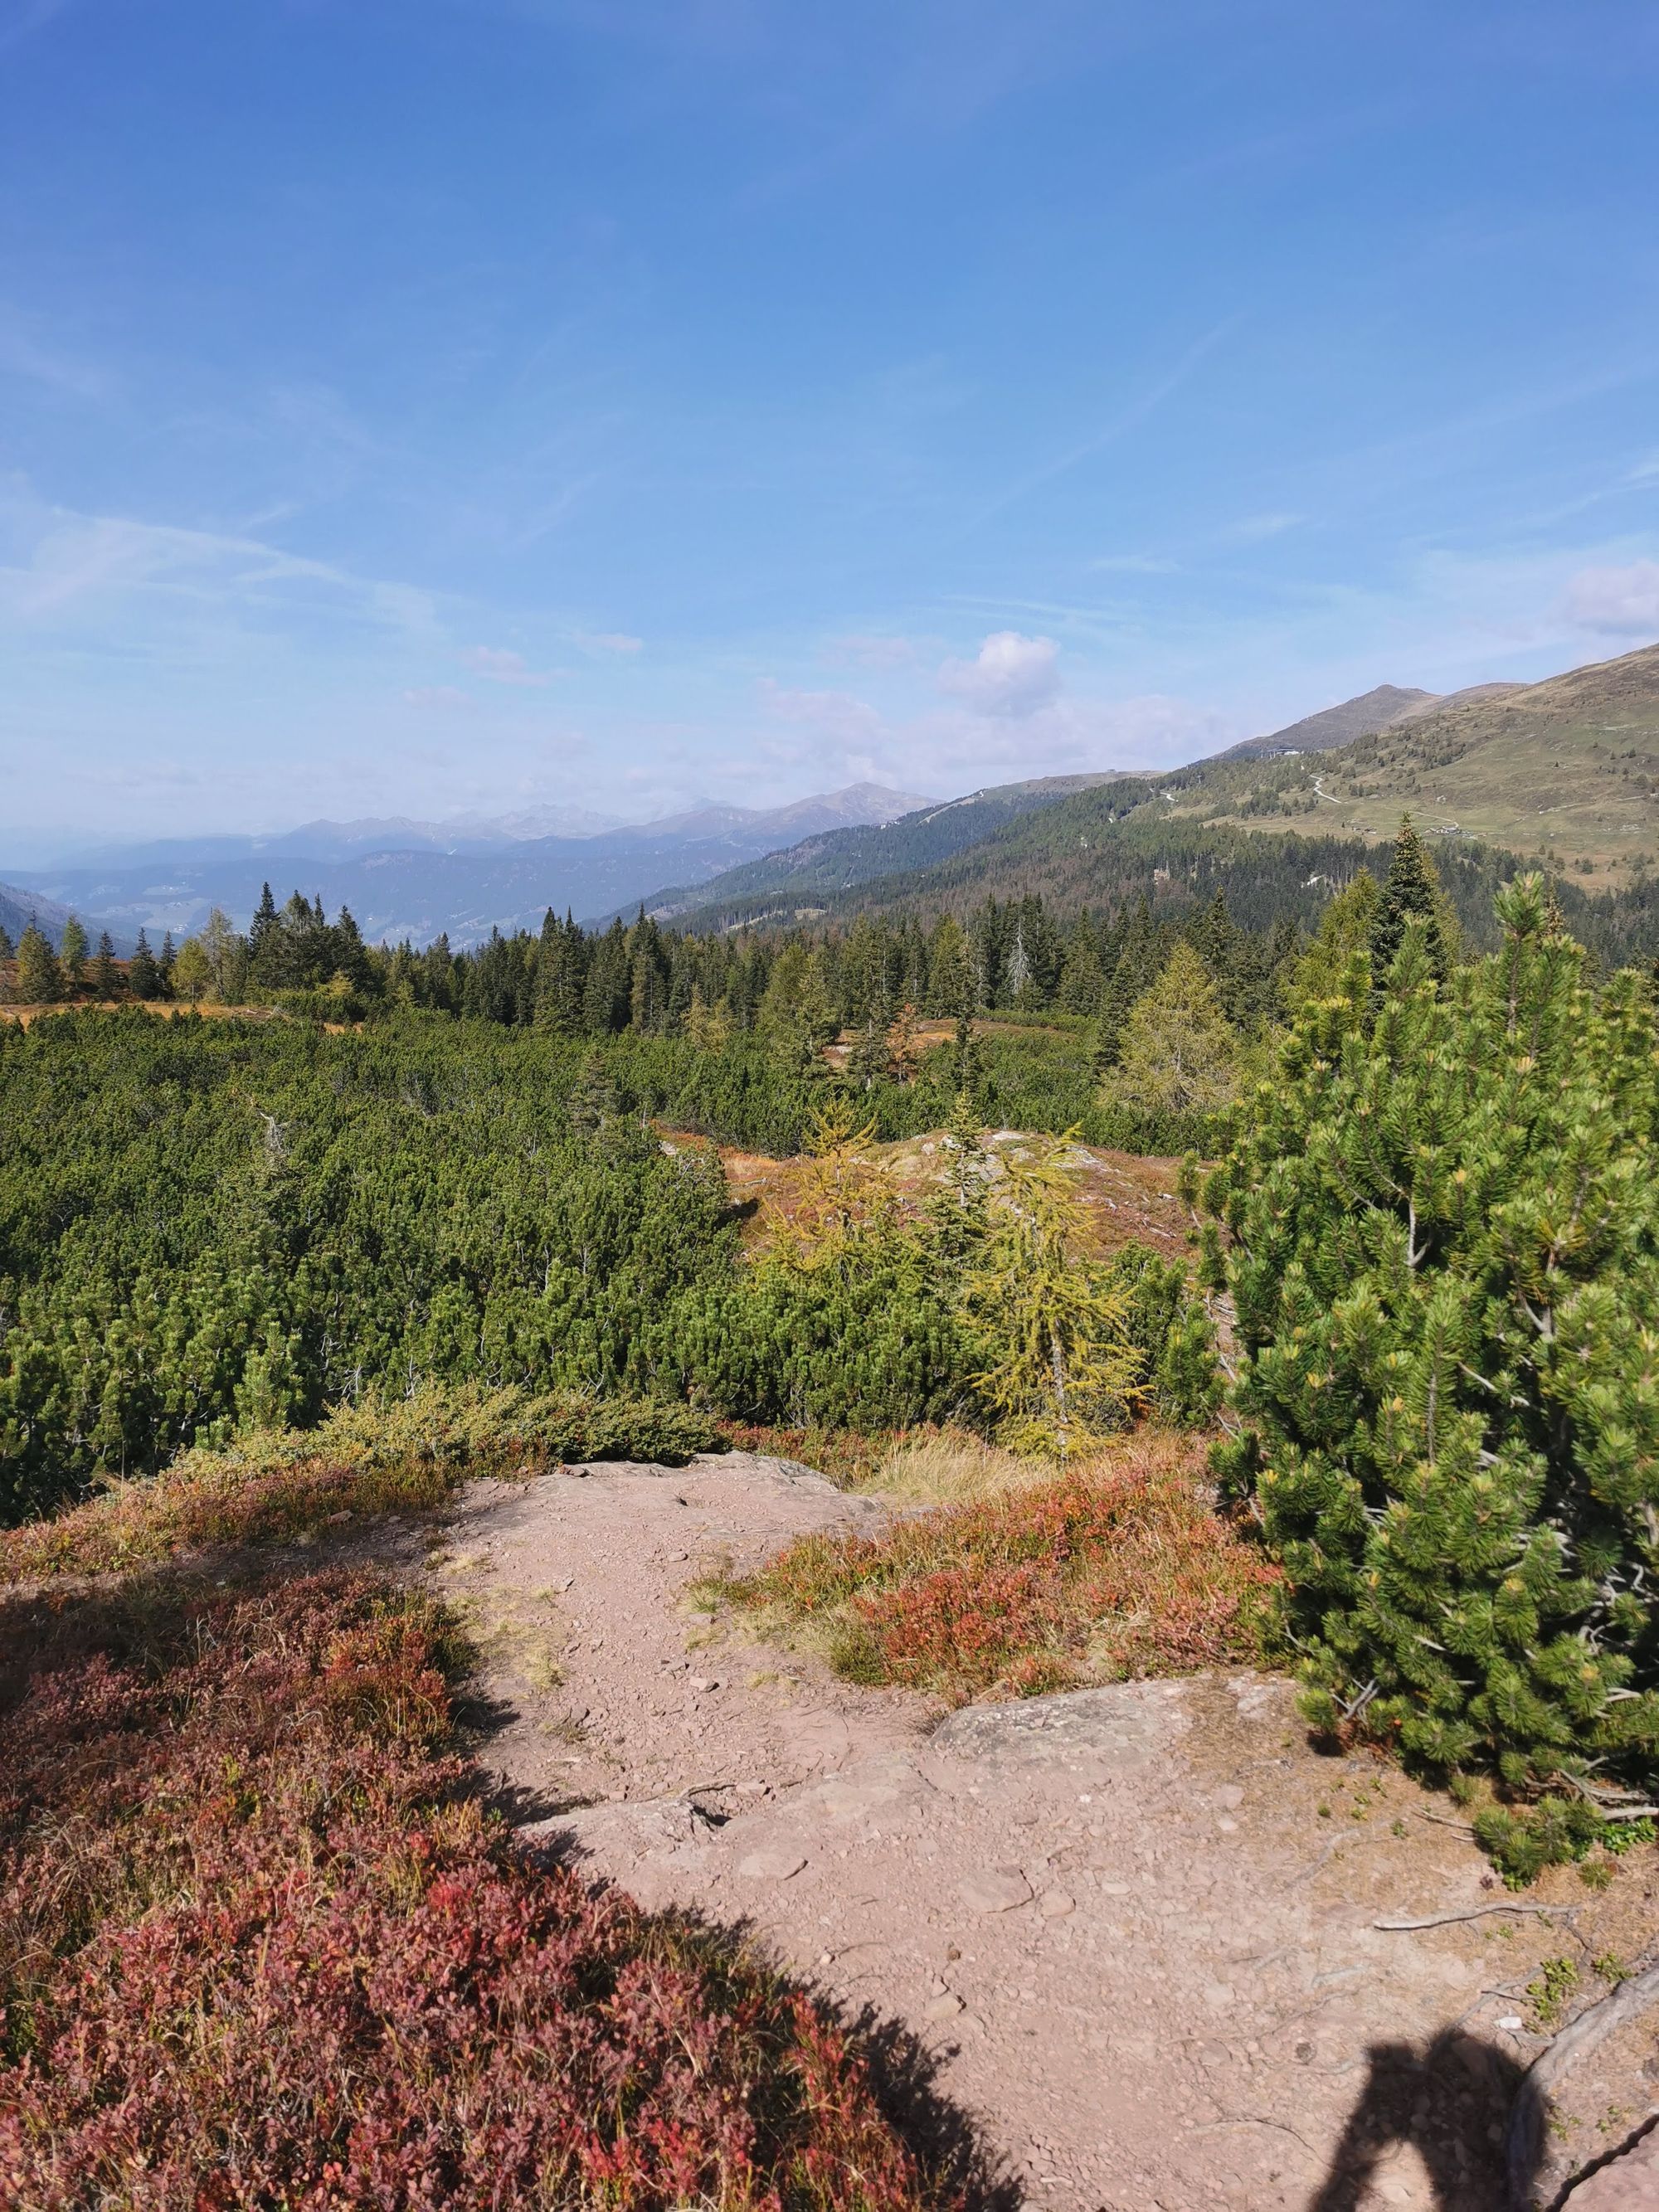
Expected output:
(1382, 708)
(1276, 835)
(1566, 772)
(1336, 725)
(815, 870)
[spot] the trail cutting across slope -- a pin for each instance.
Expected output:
(1137, 1925)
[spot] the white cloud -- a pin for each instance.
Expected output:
(1623, 602)
(608, 640)
(446, 696)
(824, 738)
(1011, 675)
(501, 665)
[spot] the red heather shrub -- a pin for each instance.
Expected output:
(260, 1946)
(1121, 1567)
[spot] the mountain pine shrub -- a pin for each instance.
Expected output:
(1440, 1226)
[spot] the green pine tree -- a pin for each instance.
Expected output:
(1441, 1233)
(1344, 928)
(959, 1213)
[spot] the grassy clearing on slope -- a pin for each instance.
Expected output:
(261, 1944)
(379, 1455)
(1033, 1582)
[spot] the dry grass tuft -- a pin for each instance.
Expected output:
(951, 1466)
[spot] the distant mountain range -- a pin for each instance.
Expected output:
(417, 879)
(1566, 772)
(19, 906)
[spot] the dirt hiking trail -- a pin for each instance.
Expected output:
(1135, 1927)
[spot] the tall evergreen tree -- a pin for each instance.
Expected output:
(39, 979)
(143, 976)
(264, 929)
(959, 1214)
(104, 977)
(1411, 892)
(73, 953)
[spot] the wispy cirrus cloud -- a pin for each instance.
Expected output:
(22, 18)
(28, 351)
(862, 650)
(60, 565)
(500, 665)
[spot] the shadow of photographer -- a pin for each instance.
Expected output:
(1449, 2100)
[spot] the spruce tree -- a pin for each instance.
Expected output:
(39, 979)
(1440, 1227)
(594, 1103)
(263, 933)
(967, 1070)
(143, 976)
(1344, 928)
(104, 977)
(866, 1063)
(165, 964)
(1410, 891)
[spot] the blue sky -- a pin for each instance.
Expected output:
(411, 405)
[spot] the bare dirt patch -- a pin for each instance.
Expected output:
(1138, 1924)
(1131, 1198)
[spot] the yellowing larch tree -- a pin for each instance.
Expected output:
(1180, 1052)
(1061, 1371)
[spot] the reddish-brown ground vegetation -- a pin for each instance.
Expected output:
(262, 1944)
(1122, 1566)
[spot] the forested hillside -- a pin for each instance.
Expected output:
(819, 867)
